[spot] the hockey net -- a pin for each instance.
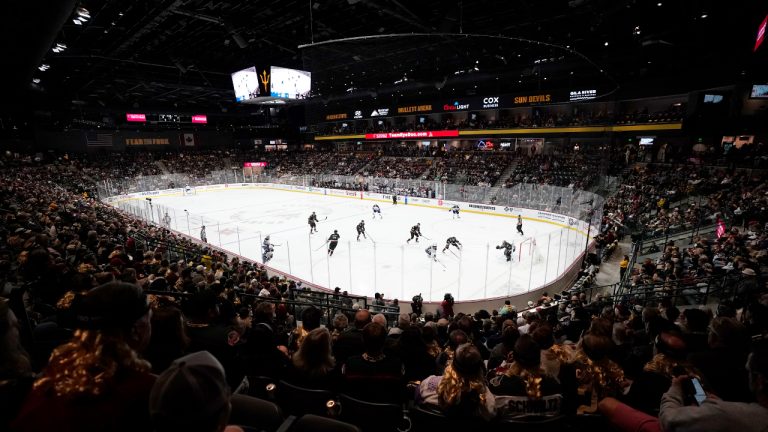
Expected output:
(527, 249)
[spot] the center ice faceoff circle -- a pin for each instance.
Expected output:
(383, 260)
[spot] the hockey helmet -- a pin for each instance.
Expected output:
(335, 231)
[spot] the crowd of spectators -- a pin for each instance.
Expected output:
(83, 344)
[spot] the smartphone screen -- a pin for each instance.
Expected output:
(698, 394)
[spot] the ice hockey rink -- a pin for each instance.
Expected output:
(239, 219)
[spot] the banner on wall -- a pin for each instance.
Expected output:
(188, 140)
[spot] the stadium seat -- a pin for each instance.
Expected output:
(531, 424)
(299, 400)
(388, 417)
(255, 414)
(313, 423)
(257, 386)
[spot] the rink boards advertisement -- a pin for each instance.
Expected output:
(487, 209)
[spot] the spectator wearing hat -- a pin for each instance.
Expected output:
(748, 287)
(461, 392)
(97, 381)
(192, 395)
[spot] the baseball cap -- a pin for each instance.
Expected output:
(191, 391)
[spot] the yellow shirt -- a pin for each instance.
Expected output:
(624, 264)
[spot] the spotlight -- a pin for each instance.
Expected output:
(77, 21)
(658, 4)
(606, 44)
(703, 16)
(36, 80)
(44, 67)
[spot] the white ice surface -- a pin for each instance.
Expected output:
(384, 262)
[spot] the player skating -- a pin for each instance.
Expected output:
(361, 230)
(455, 211)
(520, 224)
(312, 221)
(203, 237)
(415, 233)
(333, 241)
(452, 241)
(267, 250)
(432, 254)
(377, 210)
(432, 251)
(394, 199)
(508, 249)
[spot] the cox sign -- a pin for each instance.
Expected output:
(491, 102)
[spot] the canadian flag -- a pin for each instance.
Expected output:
(720, 228)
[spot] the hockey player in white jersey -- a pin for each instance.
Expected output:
(455, 211)
(377, 211)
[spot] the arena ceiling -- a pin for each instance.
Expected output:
(180, 53)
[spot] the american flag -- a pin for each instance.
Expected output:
(720, 228)
(94, 139)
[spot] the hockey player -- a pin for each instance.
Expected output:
(520, 224)
(312, 221)
(452, 241)
(333, 241)
(455, 211)
(267, 250)
(377, 210)
(394, 199)
(415, 233)
(167, 220)
(361, 230)
(508, 249)
(432, 251)
(203, 237)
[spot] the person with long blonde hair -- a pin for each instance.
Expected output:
(97, 381)
(461, 391)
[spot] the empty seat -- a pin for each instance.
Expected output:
(296, 400)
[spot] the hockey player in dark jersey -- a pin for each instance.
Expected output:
(455, 211)
(312, 221)
(377, 210)
(415, 233)
(394, 199)
(452, 241)
(361, 230)
(520, 224)
(508, 249)
(333, 241)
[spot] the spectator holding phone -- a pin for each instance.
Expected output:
(714, 414)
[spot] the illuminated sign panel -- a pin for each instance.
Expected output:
(412, 135)
(491, 102)
(414, 109)
(136, 117)
(579, 95)
(532, 99)
(341, 116)
(200, 118)
(456, 106)
(380, 112)
(254, 164)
